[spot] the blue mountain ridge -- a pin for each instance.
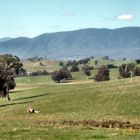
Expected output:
(115, 43)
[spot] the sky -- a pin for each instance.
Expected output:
(33, 17)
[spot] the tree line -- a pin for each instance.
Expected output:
(103, 73)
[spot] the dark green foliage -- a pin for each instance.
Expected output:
(81, 61)
(87, 67)
(111, 66)
(70, 63)
(137, 61)
(137, 71)
(96, 62)
(105, 58)
(124, 59)
(36, 58)
(37, 73)
(127, 70)
(103, 74)
(61, 64)
(11, 62)
(74, 68)
(87, 72)
(9, 65)
(84, 61)
(62, 74)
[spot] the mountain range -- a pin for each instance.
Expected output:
(115, 43)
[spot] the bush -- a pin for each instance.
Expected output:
(105, 58)
(87, 72)
(137, 71)
(103, 74)
(127, 70)
(87, 67)
(61, 64)
(137, 61)
(96, 62)
(62, 74)
(111, 66)
(84, 61)
(74, 68)
(37, 73)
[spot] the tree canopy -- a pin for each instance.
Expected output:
(9, 65)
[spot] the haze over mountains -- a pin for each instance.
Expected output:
(115, 43)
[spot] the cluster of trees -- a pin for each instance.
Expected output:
(9, 66)
(129, 70)
(73, 65)
(74, 68)
(103, 74)
(86, 69)
(36, 58)
(76, 62)
(62, 74)
(39, 72)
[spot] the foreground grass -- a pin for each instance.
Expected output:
(116, 99)
(31, 132)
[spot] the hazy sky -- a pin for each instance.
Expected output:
(33, 17)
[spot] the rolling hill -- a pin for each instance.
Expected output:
(116, 43)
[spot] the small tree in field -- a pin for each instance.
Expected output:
(74, 68)
(61, 64)
(137, 71)
(9, 65)
(86, 69)
(127, 70)
(87, 72)
(103, 74)
(96, 62)
(62, 74)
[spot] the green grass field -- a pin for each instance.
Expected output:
(77, 100)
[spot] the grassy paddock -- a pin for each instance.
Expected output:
(112, 100)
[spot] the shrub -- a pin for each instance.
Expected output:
(37, 73)
(62, 74)
(137, 71)
(103, 74)
(74, 68)
(87, 67)
(61, 64)
(96, 62)
(84, 61)
(111, 66)
(126, 70)
(105, 58)
(137, 61)
(87, 72)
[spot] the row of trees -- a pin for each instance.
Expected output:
(103, 74)
(62, 74)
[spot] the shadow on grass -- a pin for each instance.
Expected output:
(30, 97)
(18, 103)
(97, 137)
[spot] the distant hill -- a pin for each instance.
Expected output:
(116, 43)
(5, 39)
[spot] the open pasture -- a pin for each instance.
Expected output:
(78, 100)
